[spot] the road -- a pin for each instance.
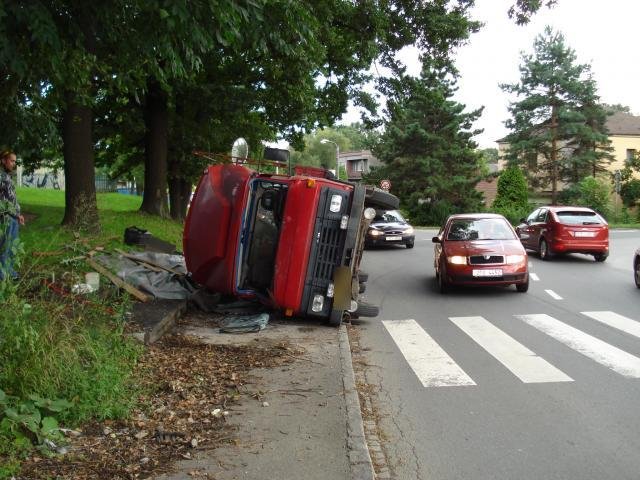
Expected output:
(488, 383)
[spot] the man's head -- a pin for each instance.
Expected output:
(7, 160)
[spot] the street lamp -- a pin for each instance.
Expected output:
(324, 140)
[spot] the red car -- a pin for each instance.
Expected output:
(555, 230)
(479, 249)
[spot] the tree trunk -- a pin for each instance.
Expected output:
(554, 154)
(80, 189)
(179, 196)
(156, 117)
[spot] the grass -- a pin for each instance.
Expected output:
(57, 345)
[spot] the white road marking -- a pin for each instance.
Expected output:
(554, 294)
(431, 364)
(614, 320)
(521, 361)
(534, 277)
(617, 360)
(530, 265)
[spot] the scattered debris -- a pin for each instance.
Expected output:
(244, 323)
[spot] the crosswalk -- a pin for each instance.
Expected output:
(434, 367)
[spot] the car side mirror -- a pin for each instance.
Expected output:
(436, 239)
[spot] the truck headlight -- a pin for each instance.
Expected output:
(318, 303)
(457, 260)
(336, 203)
(344, 221)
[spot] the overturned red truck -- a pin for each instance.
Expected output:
(292, 241)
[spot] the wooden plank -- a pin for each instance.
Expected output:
(144, 263)
(167, 322)
(147, 262)
(143, 297)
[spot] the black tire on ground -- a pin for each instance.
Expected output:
(367, 310)
(636, 271)
(545, 252)
(363, 276)
(443, 285)
(378, 198)
(600, 257)
(522, 287)
(335, 319)
(410, 245)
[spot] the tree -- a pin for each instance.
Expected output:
(557, 118)
(427, 149)
(512, 199)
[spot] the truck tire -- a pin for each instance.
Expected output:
(367, 310)
(335, 319)
(381, 199)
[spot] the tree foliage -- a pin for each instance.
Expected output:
(557, 126)
(512, 198)
(427, 149)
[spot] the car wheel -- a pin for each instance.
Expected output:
(545, 252)
(409, 245)
(522, 287)
(335, 319)
(600, 257)
(637, 272)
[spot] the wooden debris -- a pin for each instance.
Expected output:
(143, 297)
(153, 266)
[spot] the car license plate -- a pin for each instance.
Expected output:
(493, 272)
(394, 239)
(585, 234)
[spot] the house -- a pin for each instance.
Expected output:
(624, 134)
(358, 163)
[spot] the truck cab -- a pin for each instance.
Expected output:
(293, 242)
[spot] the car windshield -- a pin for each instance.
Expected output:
(389, 216)
(572, 217)
(480, 229)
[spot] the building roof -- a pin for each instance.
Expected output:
(621, 123)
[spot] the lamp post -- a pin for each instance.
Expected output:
(324, 140)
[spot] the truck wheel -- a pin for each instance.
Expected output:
(335, 319)
(367, 310)
(376, 197)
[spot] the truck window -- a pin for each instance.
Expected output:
(260, 235)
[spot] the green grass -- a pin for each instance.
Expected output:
(116, 212)
(62, 346)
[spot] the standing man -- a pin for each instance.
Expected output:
(10, 217)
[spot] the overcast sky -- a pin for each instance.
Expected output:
(603, 33)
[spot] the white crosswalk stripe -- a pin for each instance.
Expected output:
(430, 363)
(521, 361)
(612, 357)
(615, 320)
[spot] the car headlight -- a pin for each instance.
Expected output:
(457, 260)
(515, 258)
(375, 233)
(409, 231)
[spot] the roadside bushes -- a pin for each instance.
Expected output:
(589, 192)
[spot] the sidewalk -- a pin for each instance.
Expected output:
(301, 421)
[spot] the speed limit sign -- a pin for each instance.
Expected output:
(385, 184)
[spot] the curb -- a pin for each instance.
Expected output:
(359, 458)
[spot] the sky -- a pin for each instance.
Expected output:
(603, 33)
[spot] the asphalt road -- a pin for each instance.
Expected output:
(488, 383)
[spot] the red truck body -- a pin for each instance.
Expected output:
(293, 242)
